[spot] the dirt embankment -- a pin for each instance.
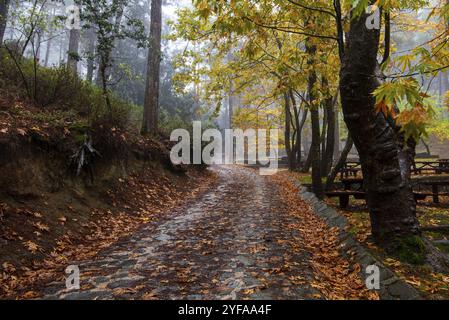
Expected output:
(61, 200)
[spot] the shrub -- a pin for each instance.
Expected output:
(61, 89)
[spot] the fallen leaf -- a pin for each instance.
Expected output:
(31, 246)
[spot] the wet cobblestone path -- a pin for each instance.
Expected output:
(233, 243)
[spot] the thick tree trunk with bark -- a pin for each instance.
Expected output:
(383, 154)
(4, 8)
(151, 105)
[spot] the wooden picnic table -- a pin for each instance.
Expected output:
(436, 185)
(350, 178)
(439, 166)
(351, 168)
(350, 182)
(444, 163)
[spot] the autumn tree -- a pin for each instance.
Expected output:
(385, 115)
(384, 153)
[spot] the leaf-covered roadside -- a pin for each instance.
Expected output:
(134, 201)
(433, 285)
(336, 276)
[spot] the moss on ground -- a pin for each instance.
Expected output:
(410, 250)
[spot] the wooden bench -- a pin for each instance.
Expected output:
(421, 196)
(344, 196)
(360, 195)
(436, 185)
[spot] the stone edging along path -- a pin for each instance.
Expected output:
(391, 287)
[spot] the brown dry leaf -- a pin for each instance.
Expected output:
(8, 267)
(248, 291)
(31, 246)
(37, 214)
(150, 296)
(392, 263)
(30, 295)
(42, 227)
(413, 282)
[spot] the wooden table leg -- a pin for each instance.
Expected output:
(344, 201)
(435, 191)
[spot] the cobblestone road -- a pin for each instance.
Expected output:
(233, 243)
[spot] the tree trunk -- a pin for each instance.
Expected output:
(426, 145)
(328, 152)
(49, 40)
(116, 49)
(37, 45)
(91, 55)
(299, 127)
(73, 53)
(330, 145)
(151, 105)
(337, 135)
(323, 136)
(48, 48)
(231, 103)
(444, 74)
(288, 143)
(104, 82)
(317, 183)
(340, 163)
(4, 8)
(385, 163)
(299, 136)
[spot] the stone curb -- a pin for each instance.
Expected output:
(391, 287)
